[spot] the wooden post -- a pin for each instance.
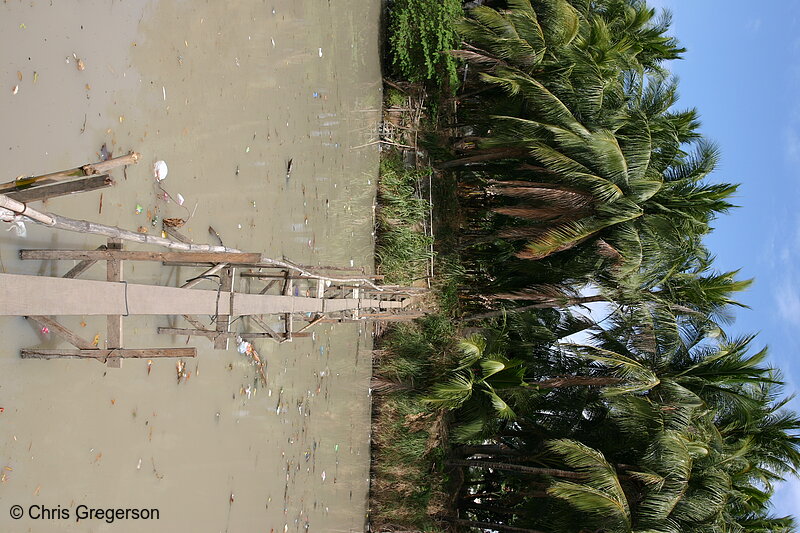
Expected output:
(224, 320)
(114, 322)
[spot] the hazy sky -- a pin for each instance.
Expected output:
(742, 72)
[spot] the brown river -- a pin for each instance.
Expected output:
(226, 92)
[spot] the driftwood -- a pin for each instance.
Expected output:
(92, 169)
(36, 194)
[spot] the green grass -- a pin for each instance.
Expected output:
(403, 250)
(394, 98)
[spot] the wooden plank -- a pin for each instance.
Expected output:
(263, 325)
(63, 332)
(125, 353)
(224, 320)
(259, 335)
(200, 332)
(114, 322)
(268, 286)
(266, 275)
(211, 334)
(101, 167)
(317, 320)
(194, 321)
(287, 285)
(140, 255)
(83, 266)
(22, 295)
(38, 194)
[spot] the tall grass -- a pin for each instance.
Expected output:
(403, 249)
(408, 453)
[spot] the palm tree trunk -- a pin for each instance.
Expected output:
(576, 381)
(485, 155)
(489, 525)
(545, 302)
(518, 468)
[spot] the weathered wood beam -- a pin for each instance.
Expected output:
(142, 255)
(317, 320)
(264, 275)
(114, 322)
(268, 286)
(224, 320)
(201, 332)
(102, 167)
(211, 334)
(125, 353)
(194, 321)
(62, 331)
(82, 267)
(37, 194)
(263, 325)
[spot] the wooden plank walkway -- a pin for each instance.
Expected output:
(22, 295)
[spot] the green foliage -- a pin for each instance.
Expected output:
(421, 32)
(403, 249)
(394, 98)
(407, 457)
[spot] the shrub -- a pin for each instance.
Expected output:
(419, 32)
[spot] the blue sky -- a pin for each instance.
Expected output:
(742, 72)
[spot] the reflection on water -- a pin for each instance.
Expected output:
(227, 93)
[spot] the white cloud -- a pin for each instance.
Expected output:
(792, 144)
(753, 25)
(787, 299)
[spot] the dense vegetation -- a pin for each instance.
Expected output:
(579, 180)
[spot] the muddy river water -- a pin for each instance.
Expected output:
(226, 92)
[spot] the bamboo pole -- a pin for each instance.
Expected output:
(84, 226)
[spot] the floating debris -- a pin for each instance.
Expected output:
(160, 170)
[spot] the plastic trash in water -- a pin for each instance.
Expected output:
(15, 220)
(244, 346)
(180, 199)
(160, 170)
